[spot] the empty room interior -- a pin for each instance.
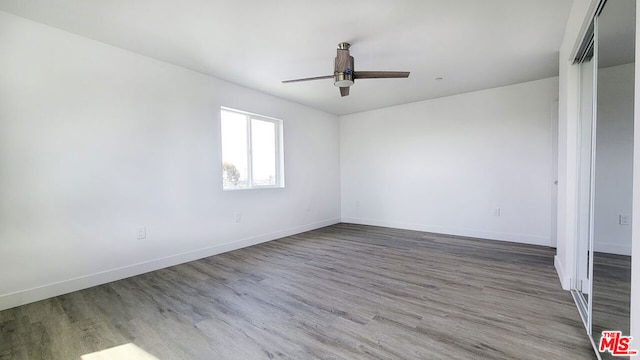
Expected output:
(366, 179)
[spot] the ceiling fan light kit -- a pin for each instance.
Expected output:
(343, 80)
(344, 74)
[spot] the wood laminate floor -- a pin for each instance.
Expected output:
(341, 292)
(611, 296)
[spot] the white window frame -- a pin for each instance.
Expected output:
(279, 149)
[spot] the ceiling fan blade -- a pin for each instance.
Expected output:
(380, 74)
(308, 79)
(344, 91)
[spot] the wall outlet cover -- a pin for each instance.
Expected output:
(141, 232)
(624, 219)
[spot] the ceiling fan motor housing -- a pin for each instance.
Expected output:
(343, 67)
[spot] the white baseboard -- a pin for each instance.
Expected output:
(612, 248)
(518, 238)
(565, 281)
(66, 286)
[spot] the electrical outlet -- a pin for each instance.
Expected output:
(238, 217)
(496, 212)
(141, 232)
(623, 219)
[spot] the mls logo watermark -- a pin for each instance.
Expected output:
(615, 343)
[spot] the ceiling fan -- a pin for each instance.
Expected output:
(344, 74)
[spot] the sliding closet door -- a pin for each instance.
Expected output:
(613, 169)
(606, 62)
(581, 287)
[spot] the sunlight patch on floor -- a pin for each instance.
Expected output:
(123, 352)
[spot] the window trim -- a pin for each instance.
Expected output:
(279, 149)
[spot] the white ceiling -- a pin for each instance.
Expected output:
(471, 44)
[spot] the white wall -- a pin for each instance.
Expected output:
(96, 141)
(614, 159)
(444, 165)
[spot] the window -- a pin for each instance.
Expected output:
(251, 150)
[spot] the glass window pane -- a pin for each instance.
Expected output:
(263, 145)
(234, 150)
